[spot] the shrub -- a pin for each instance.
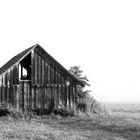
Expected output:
(81, 106)
(40, 112)
(64, 112)
(4, 111)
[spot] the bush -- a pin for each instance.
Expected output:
(4, 111)
(40, 112)
(63, 112)
(81, 106)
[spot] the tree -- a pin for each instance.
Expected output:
(78, 73)
(84, 95)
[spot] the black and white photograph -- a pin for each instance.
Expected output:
(70, 70)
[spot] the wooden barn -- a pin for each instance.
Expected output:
(33, 79)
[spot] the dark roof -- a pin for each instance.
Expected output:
(12, 61)
(21, 55)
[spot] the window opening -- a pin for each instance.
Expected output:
(25, 68)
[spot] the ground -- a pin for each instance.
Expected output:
(120, 125)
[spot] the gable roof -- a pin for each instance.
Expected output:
(21, 55)
(12, 61)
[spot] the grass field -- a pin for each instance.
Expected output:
(121, 124)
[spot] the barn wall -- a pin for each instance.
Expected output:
(9, 86)
(46, 74)
(48, 83)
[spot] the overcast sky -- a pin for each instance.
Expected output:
(103, 37)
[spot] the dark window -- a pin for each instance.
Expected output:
(25, 68)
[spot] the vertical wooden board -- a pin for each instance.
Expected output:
(40, 62)
(8, 92)
(32, 68)
(36, 90)
(11, 76)
(46, 73)
(62, 94)
(5, 79)
(0, 95)
(30, 97)
(28, 92)
(54, 95)
(33, 93)
(39, 69)
(49, 75)
(20, 96)
(12, 95)
(40, 99)
(48, 97)
(65, 86)
(52, 75)
(74, 96)
(45, 98)
(57, 95)
(3, 94)
(0, 80)
(60, 100)
(58, 78)
(67, 94)
(25, 96)
(55, 76)
(36, 68)
(43, 71)
(8, 77)
(17, 98)
(16, 74)
(35, 97)
(63, 80)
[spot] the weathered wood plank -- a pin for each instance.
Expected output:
(33, 68)
(17, 97)
(45, 98)
(37, 97)
(33, 96)
(43, 72)
(0, 94)
(25, 96)
(11, 76)
(20, 97)
(36, 68)
(40, 70)
(49, 75)
(46, 73)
